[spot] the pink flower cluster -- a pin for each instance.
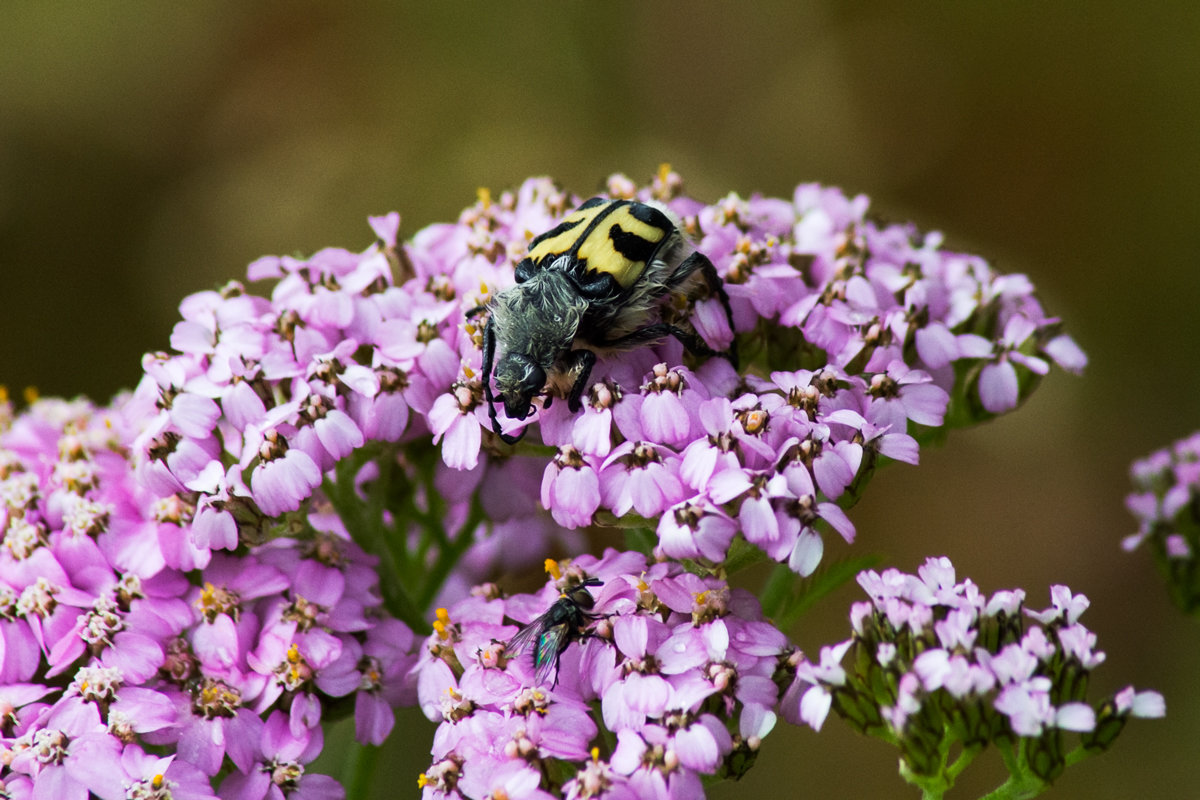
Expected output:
(682, 669)
(883, 323)
(191, 571)
(856, 333)
(1166, 484)
(136, 664)
(932, 657)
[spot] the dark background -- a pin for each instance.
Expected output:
(148, 151)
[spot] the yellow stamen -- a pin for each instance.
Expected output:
(551, 567)
(422, 781)
(442, 623)
(484, 196)
(470, 373)
(664, 171)
(31, 395)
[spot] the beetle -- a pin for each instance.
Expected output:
(587, 287)
(553, 631)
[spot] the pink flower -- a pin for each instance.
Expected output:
(451, 417)
(640, 476)
(281, 483)
(571, 488)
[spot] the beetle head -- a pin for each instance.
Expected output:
(519, 379)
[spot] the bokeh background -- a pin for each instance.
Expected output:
(149, 150)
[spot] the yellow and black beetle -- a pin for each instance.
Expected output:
(589, 285)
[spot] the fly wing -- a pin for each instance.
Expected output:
(525, 638)
(552, 642)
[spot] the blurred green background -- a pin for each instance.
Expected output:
(149, 150)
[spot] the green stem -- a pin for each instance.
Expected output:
(962, 762)
(933, 787)
(359, 770)
(1022, 784)
(449, 554)
(366, 524)
(403, 608)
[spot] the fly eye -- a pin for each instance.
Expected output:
(581, 597)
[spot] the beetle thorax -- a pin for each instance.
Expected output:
(539, 318)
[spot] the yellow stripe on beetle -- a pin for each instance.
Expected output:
(600, 252)
(573, 225)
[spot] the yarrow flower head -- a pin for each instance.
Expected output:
(934, 661)
(1166, 484)
(683, 669)
(865, 331)
(190, 577)
(125, 640)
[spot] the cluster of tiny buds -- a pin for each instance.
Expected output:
(1166, 484)
(933, 660)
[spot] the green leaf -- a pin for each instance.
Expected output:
(741, 555)
(642, 540)
(805, 592)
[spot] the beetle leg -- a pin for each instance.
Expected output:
(525, 270)
(584, 361)
(701, 262)
(658, 330)
(489, 358)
